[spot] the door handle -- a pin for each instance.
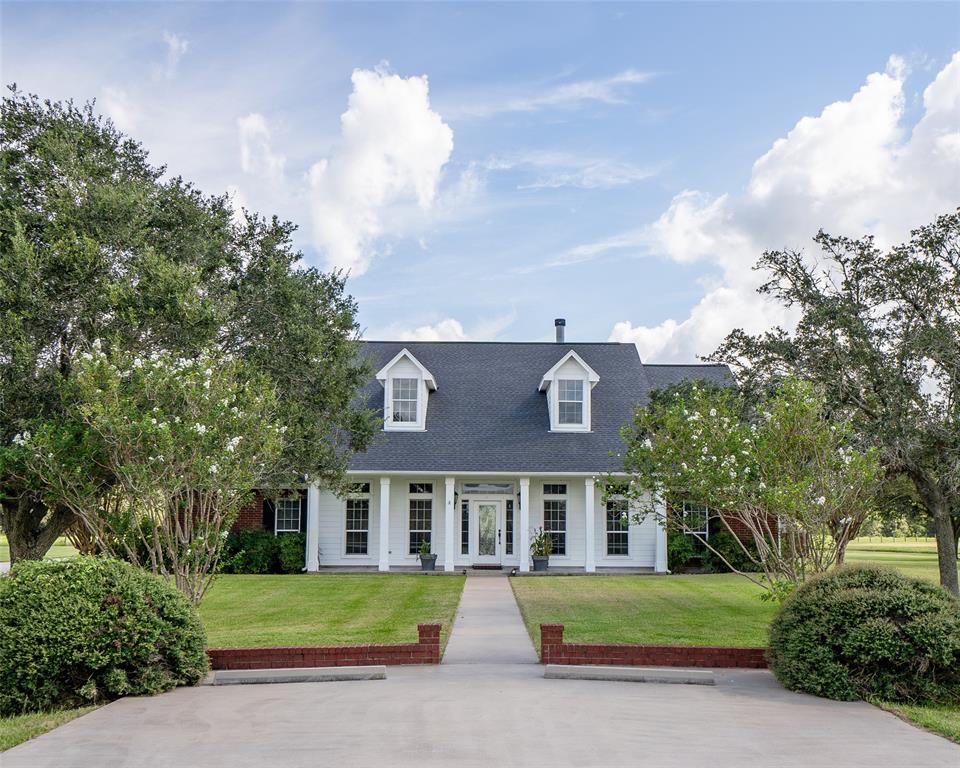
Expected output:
(498, 535)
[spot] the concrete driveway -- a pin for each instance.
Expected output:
(487, 715)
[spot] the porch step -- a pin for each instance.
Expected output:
(295, 675)
(486, 567)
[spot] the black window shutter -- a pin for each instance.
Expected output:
(268, 515)
(303, 511)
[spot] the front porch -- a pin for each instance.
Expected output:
(470, 520)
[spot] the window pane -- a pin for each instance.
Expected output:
(360, 488)
(555, 489)
(555, 523)
(508, 527)
(405, 393)
(357, 525)
(618, 536)
(570, 389)
(421, 487)
(421, 516)
(464, 527)
(287, 515)
(571, 413)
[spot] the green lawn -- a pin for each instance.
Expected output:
(241, 611)
(17, 729)
(942, 720)
(62, 548)
(917, 559)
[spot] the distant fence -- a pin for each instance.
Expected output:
(894, 539)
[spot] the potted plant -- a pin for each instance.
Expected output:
(540, 546)
(428, 562)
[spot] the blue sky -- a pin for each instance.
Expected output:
(622, 165)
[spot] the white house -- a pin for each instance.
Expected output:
(482, 443)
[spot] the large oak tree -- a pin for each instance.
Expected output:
(97, 243)
(879, 331)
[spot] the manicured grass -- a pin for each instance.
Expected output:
(62, 548)
(244, 611)
(19, 728)
(708, 609)
(942, 720)
(917, 559)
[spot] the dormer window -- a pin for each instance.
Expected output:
(405, 399)
(570, 401)
(407, 385)
(568, 385)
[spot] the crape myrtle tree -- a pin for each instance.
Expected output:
(179, 443)
(784, 472)
(879, 332)
(97, 243)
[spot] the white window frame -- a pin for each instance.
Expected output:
(357, 496)
(276, 515)
(582, 402)
(433, 508)
(425, 384)
(565, 498)
(550, 383)
(417, 386)
(689, 506)
(607, 530)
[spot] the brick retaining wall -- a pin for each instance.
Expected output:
(426, 651)
(554, 651)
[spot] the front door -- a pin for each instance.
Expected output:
(487, 527)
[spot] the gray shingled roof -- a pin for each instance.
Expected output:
(487, 414)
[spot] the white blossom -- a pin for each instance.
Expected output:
(214, 469)
(822, 500)
(200, 429)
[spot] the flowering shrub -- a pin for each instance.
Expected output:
(786, 473)
(181, 441)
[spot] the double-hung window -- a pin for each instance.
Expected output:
(555, 516)
(421, 515)
(570, 401)
(618, 527)
(696, 523)
(357, 520)
(287, 518)
(405, 400)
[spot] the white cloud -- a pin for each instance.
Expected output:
(853, 169)
(451, 329)
(552, 170)
(574, 95)
(256, 153)
(177, 47)
(392, 150)
(120, 108)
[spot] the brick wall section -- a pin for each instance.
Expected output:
(251, 516)
(426, 651)
(554, 651)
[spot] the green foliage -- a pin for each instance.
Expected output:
(724, 546)
(878, 333)
(90, 630)
(252, 551)
(95, 243)
(292, 555)
(424, 548)
(680, 550)
(861, 632)
(541, 543)
(784, 471)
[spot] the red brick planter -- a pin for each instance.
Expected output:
(426, 651)
(554, 651)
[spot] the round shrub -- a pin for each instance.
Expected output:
(90, 630)
(860, 632)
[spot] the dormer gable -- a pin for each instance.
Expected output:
(407, 385)
(568, 385)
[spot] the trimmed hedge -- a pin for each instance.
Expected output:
(862, 632)
(252, 551)
(90, 630)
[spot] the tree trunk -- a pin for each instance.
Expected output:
(946, 549)
(31, 529)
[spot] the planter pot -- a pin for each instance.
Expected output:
(428, 562)
(540, 562)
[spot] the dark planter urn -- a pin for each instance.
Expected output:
(540, 562)
(428, 562)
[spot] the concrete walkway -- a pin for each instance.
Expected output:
(488, 628)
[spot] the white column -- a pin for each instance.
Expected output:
(524, 524)
(313, 528)
(384, 524)
(660, 516)
(590, 529)
(448, 526)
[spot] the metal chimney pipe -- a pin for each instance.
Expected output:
(559, 324)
